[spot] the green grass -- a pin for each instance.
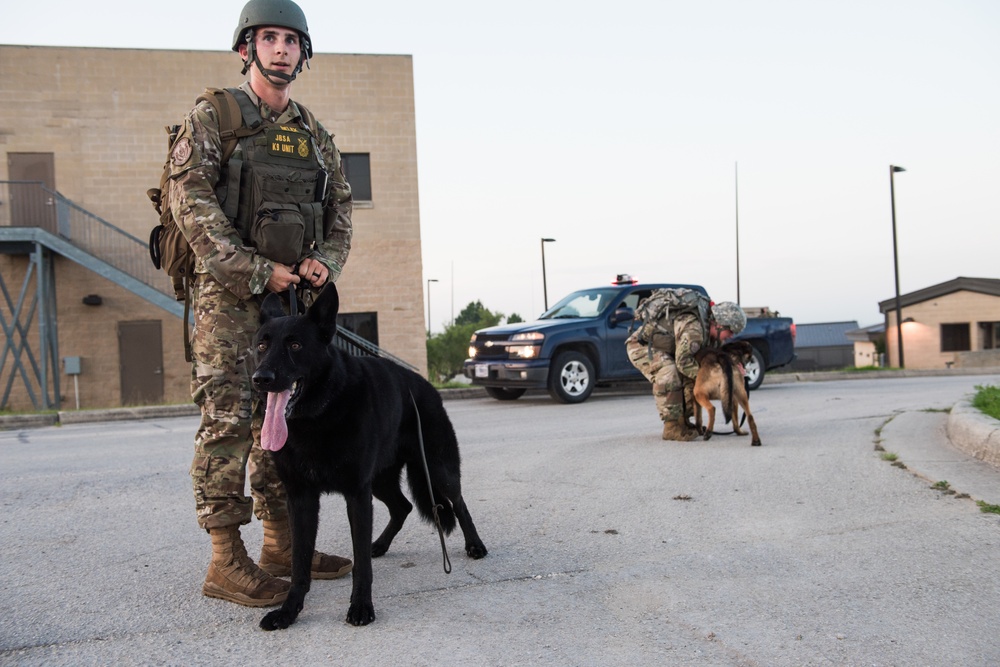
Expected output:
(986, 507)
(889, 456)
(987, 400)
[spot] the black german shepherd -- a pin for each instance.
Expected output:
(345, 424)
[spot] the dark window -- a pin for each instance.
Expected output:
(357, 171)
(989, 335)
(955, 337)
(362, 324)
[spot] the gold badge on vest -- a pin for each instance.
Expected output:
(287, 141)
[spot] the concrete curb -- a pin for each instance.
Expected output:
(15, 422)
(827, 376)
(120, 414)
(974, 433)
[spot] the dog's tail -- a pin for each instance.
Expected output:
(729, 400)
(416, 474)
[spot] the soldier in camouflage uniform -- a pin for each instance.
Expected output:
(670, 366)
(231, 278)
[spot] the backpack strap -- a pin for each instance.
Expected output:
(188, 356)
(309, 120)
(238, 117)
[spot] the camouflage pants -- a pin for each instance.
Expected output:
(672, 392)
(227, 444)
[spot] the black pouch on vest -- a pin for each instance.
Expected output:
(278, 231)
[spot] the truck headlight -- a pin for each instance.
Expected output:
(524, 351)
(530, 351)
(472, 347)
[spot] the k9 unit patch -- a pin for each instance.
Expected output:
(287, 141)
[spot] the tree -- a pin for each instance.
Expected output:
(475, 313)
(447, 351)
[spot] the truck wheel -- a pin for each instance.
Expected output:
(504, 394)
(755, 370)
(571, 378)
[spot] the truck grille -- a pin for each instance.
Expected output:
(491, 347)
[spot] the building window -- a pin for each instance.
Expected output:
(955, 337)
(362, 324)
(989, 335)
(357, 171)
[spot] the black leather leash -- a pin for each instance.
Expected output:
(293, 302)
(427, 472)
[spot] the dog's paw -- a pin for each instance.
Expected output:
(756, 443)
(476, 551)
(279, 619)
(360, 614)
(708, 435)
(378, 549)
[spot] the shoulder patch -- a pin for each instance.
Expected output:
(695, 347)
(181, 152)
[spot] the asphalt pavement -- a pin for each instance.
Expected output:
(971, 436)
(607, 546)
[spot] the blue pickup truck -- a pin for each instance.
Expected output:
(579, 343)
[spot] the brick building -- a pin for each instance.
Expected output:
(951, 324)
(81, 135)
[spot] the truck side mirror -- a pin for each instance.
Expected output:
(621, 315)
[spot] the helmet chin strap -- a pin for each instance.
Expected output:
(268, 73)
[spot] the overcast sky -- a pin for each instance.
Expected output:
(616, 128)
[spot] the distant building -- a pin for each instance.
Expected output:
(823, 346)
(866, 342)
(951, 324)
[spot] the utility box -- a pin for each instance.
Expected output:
(71, 365)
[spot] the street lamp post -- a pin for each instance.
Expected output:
(737, 176)
(895, 260)
(545, 286)
(429, 281)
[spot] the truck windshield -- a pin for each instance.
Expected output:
(585, 303)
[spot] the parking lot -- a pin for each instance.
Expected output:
(607, 545)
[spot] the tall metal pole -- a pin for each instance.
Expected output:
(545, 285)
(895, 261)
(429, 281)
(737, 167)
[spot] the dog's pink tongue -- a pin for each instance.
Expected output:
(275, 431)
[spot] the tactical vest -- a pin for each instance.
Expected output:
(273, 186)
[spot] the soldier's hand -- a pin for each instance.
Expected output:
(281, 278)
(313, 272)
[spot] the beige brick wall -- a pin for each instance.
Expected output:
(922, 337)
(101, 113)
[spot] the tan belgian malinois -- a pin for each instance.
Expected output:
(720, 378)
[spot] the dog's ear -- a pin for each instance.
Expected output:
(271, 308)
(323, 312)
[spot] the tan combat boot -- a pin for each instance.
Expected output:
(678, 430)
(276, 555)
(234, 577)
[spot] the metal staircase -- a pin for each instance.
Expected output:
(39, 222)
